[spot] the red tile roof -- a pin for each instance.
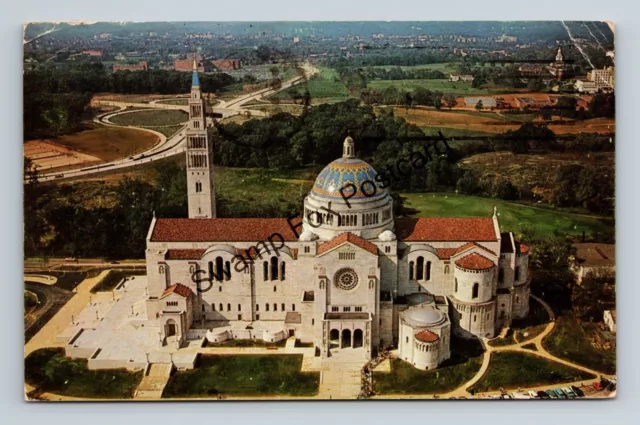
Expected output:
(445, 229)
(427, 336)
(474, 261)
(223, 229)
(179, 289)
(470, 245)
(445, 253)
(351, 238)
(522, 248)
(184, 254)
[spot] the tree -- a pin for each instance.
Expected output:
(408, 101)
(450, 100)
(565, 183)
(594, 294)
(59, 369)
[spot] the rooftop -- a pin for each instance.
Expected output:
(179, 289)
(351, 238)
(445, 229)
(474, 261)
(427, 336)
(595, 254)
(222, 229)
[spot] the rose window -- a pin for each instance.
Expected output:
(346, 279)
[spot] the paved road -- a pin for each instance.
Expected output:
(174, 145)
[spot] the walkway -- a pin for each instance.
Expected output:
(154, 381)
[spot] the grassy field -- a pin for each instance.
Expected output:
(72, 378)
(520, 219)
(324, 88)
(244, 375)
(167, 131)
(571, 340)
(464, 363)
(151, 118)
(501, 342)
(444, 85)
(114, 278)
(512, 370)
(109, 143)
(445, 67)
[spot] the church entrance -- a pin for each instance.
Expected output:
(357, 338)
(346, 338)
(171, 328)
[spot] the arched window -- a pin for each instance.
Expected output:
(420, 268)
(516, 276)
(411, 270)
(476, 288)
(213, 307)
(428, 272)
(282, 307)
(219, 272)
(274, 268)
(221, 307)
(239, 307)
(456, 286)
(219, 288)
(282, 270)
(293, 307)
(227, 269)
(265, 269)
(228, 307)
(517, 299)
(161, 269)
(446, 269)
(210, 270)
(501, 275)
(257, 307)
(275, 288)
(266, 307)
(275, 307)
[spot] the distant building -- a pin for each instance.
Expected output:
(594, 257)
(585, 86)
(461, 77)
(186, 65)
(558, 67)
(487, 102)
(93, 53)
(140, 66)
(609, 318)
(532, 103)
(532, 70)
(226, 64)
(603, 78)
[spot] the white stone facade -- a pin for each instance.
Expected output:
(344, 278)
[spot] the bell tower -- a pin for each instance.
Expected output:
(200, 187)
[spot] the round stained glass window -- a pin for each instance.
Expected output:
(346, 279)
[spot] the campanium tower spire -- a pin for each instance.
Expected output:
(200, 184)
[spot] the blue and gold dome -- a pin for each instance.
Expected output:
(338, 174)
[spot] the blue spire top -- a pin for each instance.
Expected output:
(195, 80)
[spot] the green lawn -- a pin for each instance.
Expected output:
(167, 131)
(49, 370)
(151, 118)
(443, 85)
(465, 361)
(571, 340)
(445, 67)
(501, 342)
(518, 218)
(324, 88)
(511, 370)
(114, 278)
(244, 375)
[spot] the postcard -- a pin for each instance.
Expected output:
(319, 210)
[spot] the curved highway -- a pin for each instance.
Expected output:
(174, 145)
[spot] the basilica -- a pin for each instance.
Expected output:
(348, 277)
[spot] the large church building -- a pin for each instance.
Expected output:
(347, 277)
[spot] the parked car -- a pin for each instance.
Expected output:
(543, 395)
(505, 396)
(552, 395)
(560, 393)
(533, 394)
(578, 391)
(569, 392)
(520, 395)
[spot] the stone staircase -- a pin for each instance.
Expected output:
(154, 381)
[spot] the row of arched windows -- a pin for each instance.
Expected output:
(272, 271)
(421, 271)
(371, 218)
(275, 307)
(475, 290)
(426, 347)
(221, 271)
(198, 187)
(197, 142)
(197, 160)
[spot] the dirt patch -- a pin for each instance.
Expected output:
(89, 146)
(491, 122)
